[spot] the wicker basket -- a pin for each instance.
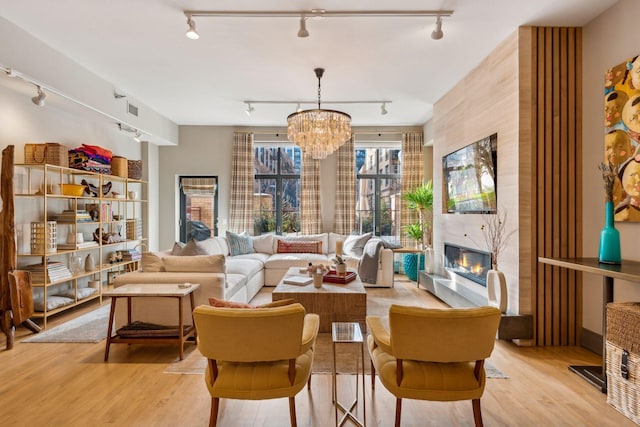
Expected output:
(119, 166)
(623, 333)
(135, 169)
(50, 153)
(44, 238)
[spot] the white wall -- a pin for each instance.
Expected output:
(606, 41)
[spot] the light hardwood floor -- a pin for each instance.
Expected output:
(70, 385)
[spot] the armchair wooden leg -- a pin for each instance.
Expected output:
(292, 411)
(213, 418)
(373, 376)
(477, 413)
(398, 411)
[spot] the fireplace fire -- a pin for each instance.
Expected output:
(469, 263)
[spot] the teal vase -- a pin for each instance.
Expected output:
(411, 266)
(609, 239)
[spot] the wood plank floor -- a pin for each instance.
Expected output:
(70, 385)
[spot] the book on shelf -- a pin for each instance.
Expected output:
(131, 255)
(70, 215)
(74, 246)
(55, 270)
(298, 280)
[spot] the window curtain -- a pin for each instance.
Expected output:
(311, 215)
(345, 209)
(199, 186)
(412, 176)
(242, 174)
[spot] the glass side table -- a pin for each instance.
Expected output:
(348, 333)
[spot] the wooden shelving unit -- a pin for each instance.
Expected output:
(39, 201)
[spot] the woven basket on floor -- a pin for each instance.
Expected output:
(623, 333)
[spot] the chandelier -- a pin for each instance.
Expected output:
(319, 132)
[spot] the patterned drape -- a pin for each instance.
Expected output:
(242, 174)
(412, 175)
(345, 209)
(311, 215)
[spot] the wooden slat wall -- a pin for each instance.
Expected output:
(556, 123)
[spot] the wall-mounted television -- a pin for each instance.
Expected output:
(469, 175)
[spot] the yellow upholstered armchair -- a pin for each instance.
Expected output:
(254, 354)
(433, 354)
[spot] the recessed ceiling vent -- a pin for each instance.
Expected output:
(132, 109)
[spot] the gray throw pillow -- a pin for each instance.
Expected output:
(354, 244)
(194, 247)
(240, 244)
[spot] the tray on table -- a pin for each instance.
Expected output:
(333, 277)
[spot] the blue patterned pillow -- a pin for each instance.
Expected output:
(240, 244)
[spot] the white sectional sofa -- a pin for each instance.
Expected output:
(237, 277)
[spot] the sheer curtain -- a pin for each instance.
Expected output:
(242, 173)
(345, 209)
(311, 215)
(412, 176)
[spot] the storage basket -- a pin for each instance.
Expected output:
(44, 238)
(50, 153)
(119, 166)
(134, 229)
(135, 169)
(623, 335)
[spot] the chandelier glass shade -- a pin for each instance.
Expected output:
(319, 132)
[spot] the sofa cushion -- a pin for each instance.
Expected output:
(235, 282)
(239, 243)
(257, 256)
(323, 237)
(193, 247)
(195, 264)
(216, 245)
(288, 247)
(245, 266)
(284, 261)
(354, 244)
(264, 243)
(151, 263)
(177, 248)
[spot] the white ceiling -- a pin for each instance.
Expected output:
(141, 48)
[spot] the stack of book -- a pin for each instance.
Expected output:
(131, 255)
(56, 272)
(71, 215)
(74, 246)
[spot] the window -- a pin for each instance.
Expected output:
(198, 207)
(378, 187)
(276, 194)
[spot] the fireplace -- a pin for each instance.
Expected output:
(469, 263)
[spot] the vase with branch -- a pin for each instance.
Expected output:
(496, 236)
(609, 251)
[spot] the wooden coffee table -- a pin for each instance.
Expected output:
(177, 335)
(332, 302)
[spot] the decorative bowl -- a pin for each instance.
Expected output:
(73, 189)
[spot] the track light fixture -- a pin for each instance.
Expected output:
(302, 32)
(137, 137)
(437, 33)
(39, 98)
(303, 15)
(249, 109)
(298, 108)
(383, 109)
(191, 32)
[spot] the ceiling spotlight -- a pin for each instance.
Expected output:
(383, 108)
(298, 108)
(191, 32)
(437, 33)
(249, 110)
(39, 98)
(302, 32)
(137, 136)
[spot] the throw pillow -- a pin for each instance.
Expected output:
(195, 264)
(151, 263)
(240, 244)
(177, 248)
(354, 244)
(194, 247)
(215, 302)
(299, 246)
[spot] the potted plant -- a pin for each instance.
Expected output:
(341, 265)
(421, 200)
(410, 261)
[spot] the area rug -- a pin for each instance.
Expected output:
(88, 328)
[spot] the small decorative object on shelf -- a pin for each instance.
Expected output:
(609, 252)
(89, 263)
(341, 266)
